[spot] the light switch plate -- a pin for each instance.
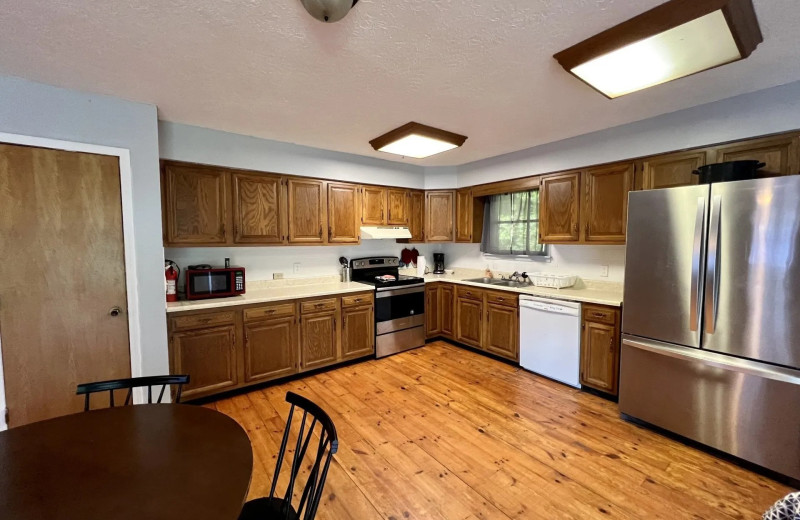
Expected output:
(604, 271)
(296, 267)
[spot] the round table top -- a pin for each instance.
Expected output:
(146, 461)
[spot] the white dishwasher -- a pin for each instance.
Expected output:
(550, 338)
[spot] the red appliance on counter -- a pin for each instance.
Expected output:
(221, 282)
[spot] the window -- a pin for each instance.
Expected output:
(511, 225)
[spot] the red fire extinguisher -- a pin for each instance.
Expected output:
(171, 273)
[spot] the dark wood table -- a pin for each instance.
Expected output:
(144, 462)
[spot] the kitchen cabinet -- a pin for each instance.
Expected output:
(439, 216)
(447, 310)
(397, 201)
(600, 347)
(259, 209)
(195, 205)
(780, 153)
(307, 211)
(469, 316)
(469, 217)
(671, 170)
(605, 203)
(358, 331)
(344, 215)
(319, 341)
(373, 212)
(502, 331)
(433, 317)
(270, 348)
(416, 216)
(559, 208)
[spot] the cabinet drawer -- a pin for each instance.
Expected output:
(469, 292)
(502, 298)
(357, 299)
(199, 321)
(269, 311)
(600, 314)
(328, 304)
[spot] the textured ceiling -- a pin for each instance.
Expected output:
(482, 68)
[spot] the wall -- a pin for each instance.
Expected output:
(33, 109)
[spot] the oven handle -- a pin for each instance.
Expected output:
(386, 292)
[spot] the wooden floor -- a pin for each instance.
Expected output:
(441, 432)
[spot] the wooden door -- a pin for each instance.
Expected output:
(672, 170)
(397, 204)
(605, 209)
(373, 212)
(208, 356)
(196, 205)
(343, 213)
(599, 356)
(307, 212)
(416, 217)
(439, 216)
(781, 154)
(271, 349)
(559, 207)
(464, 216)
(318, 345)
(502, 331)
(358, 332)
(62, 270)
(432, 314)
(447, 310)
(259, 211)
(469, 316)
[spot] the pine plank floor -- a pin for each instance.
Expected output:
(444, 433)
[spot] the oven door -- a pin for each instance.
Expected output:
(399, 308)
(208, 284)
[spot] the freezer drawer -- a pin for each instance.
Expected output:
(741, 407)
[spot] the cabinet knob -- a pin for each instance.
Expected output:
(114, 311)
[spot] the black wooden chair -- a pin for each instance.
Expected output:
(273, 507)
(135, 382)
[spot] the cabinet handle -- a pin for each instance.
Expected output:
(575, 227)
(320, 230)
(611, 344)
(330, 232)
(599, 315)
(587, 229)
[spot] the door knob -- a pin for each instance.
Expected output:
(114, 312)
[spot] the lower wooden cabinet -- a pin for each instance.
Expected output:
(600, 346)
(270, 349)
(502, 331)
(208, 355)
(447, 310)
(433, 317)
(469, 320)
(318, 340)
(358, 332)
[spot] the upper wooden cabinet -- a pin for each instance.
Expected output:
(416, 216)
(344, 215)
(671, 170)
(397, 202)
(469, 217)
(439, 215)
(307, 211)
(259, 209)
(780, 153)
(373, 212)
(605, 203)
(195, 205)
(559, 207)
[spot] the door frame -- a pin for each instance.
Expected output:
(128, 238)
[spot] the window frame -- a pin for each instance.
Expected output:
(544, 255)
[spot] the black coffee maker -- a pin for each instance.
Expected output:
(438, 263)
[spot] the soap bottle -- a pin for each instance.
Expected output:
(487, 273)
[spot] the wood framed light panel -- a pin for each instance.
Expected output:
(417, 140)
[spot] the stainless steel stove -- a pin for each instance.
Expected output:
(399, 304)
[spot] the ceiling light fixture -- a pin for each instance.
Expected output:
(417, 141)
(673, 40)
(328, 10)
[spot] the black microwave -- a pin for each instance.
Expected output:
(214, 283)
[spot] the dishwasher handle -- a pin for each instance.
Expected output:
(554, 308)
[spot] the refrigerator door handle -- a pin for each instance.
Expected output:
(712, 265)
(697, 260)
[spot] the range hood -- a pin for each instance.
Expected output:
(380, 232)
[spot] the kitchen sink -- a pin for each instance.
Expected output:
(498, 282)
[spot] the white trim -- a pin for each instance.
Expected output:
(126, 189)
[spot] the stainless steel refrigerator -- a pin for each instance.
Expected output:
(711, 317)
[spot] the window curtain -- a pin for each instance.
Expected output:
(511, 225)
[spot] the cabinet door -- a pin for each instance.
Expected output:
(600, 356)
(373, 212)
(671, 170)
(196, 205)
(605, 209)
(270, 349)
(416, 217)
(447, 310)
(464, 216)
(307, 213)
(781, 154)
(318, 345)
(358, 332)
(469, 315)
(502, 331)
(432, 316)
(259, 213)
(559, 207)
(208, 356)
(439, 216)
(397, 204)
(344, 213)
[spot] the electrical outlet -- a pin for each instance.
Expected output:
(277, 276)
(604, 271)
(296, 267)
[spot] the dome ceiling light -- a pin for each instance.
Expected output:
(671, 41)
(328, 11)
